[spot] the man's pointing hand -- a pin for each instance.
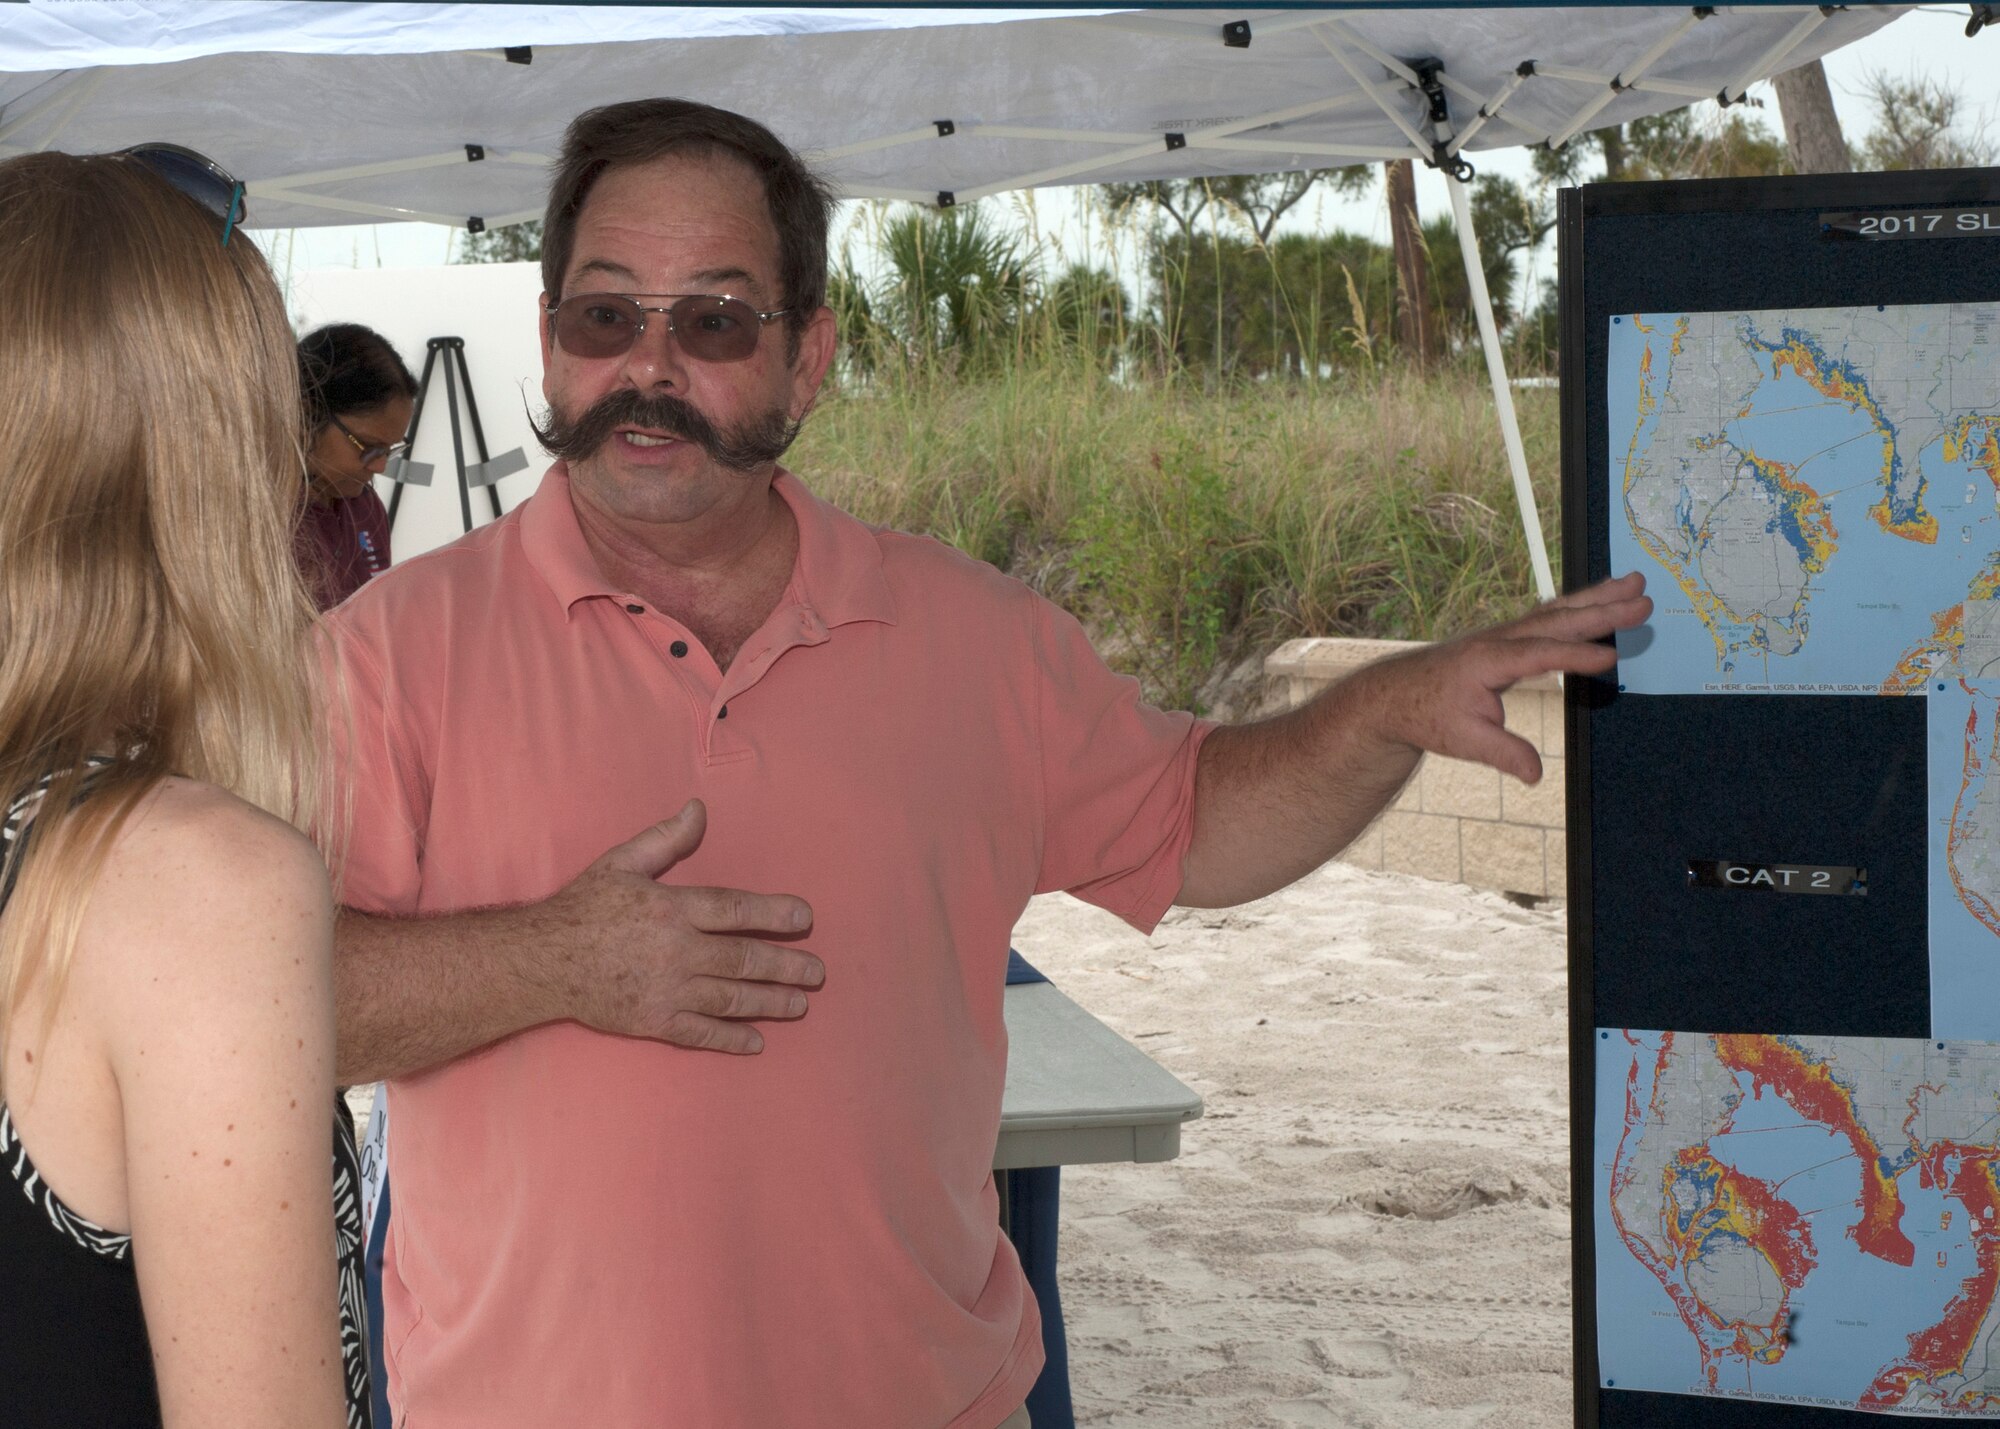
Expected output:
(1276, 798)
(1445, 698)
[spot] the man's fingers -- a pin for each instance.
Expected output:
(1517, 659)
(752, 961)
(1492, 744)
(709, 1034)
(732, 910)
(1617, 588)
(1583, 622)
(659, 847)
(743, 1001)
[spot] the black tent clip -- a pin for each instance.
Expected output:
(1438, 111)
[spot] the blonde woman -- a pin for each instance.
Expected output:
(167, 1210)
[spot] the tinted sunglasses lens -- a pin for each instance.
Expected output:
(597, 325)
(716, 329)
(196, 177)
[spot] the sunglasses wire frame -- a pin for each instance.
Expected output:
(633, 315)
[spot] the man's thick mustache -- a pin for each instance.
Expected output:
(757, 442)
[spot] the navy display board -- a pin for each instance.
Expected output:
(1687, 813)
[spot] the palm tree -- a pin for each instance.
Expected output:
(957, 286)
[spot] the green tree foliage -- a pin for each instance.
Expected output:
(1920, 124)
(864, 337)
(516, 243)
(957, 285)
(1230, 306)
(958, 294)
(1083, 308)
(1681, 144)
(953, 293)
(1699, 142)
(1252, 201)
(1507, 221)
(1304, 303)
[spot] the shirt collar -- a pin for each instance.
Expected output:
(837, 575)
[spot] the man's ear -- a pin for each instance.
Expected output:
(818, 343)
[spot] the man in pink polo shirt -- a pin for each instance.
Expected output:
(599, 1221)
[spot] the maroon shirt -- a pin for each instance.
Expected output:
(341, 545)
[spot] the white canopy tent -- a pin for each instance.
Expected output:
(342, 113)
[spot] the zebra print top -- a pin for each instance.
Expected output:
(73, 1346)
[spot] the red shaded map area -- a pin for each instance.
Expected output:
(1812, 1091)
(1967, 1171)
(1976, 902)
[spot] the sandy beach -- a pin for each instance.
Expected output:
(1370, 1225)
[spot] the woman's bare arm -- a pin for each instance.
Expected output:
(210, 941)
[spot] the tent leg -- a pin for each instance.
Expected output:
(1503, 394)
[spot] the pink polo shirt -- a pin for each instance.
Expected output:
(612, 1232)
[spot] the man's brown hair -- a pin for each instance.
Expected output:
(641, 130)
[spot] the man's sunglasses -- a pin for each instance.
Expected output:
(197, 176)
(709, 328)
(369, 454)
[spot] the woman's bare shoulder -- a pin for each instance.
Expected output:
(202, 840)
(194, 893)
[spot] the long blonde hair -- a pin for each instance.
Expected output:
(151, 612)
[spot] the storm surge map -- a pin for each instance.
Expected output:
(1802, 1220)
(1814, 495)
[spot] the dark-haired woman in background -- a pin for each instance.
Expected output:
(358, 395)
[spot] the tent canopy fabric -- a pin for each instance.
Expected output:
(338, 112)
(343, 113)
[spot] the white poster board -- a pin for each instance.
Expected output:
(492, 307)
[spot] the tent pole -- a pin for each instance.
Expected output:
(1503, 394)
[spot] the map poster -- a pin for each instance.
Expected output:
(1813, 494)
(1799, 1220)
(1962, 729)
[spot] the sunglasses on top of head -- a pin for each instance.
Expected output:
(709, 327)
(197, 176)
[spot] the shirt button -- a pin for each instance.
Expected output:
(678, 649)
(636, 609)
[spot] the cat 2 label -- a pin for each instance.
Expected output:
(1778, 877)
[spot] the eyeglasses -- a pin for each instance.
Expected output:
(370, 454)
(197, 176)
(709, 328)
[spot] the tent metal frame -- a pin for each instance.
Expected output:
(1381, 80)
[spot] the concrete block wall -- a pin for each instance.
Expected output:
(1454, 821)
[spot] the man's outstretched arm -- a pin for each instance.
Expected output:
(614, 950)
(1277, 798)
